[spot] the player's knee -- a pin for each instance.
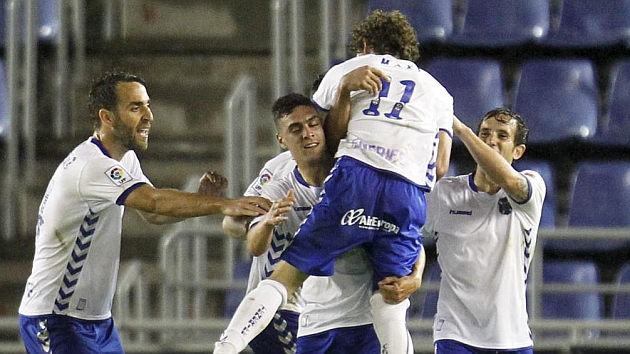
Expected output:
(275, 286)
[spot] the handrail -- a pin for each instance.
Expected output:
(132, 298)
(279, 12)
(240, 108)
(13, 131)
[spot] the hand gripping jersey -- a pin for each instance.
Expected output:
(79, 225)
(398, 130)
(485, 244)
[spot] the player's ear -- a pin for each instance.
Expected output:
(281, 141)
(106, 116)
(518, 151)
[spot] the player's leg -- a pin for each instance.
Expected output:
(67, 335)
(258, 307)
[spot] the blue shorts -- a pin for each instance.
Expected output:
(359, 339)
(60, 334)
(279, 337)
(361, 206)
(447, 346)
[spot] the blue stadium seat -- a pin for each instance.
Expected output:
(475, 84)
(424, 303)
(494, 23)
(432, 19)
(600, 198)
(548, 219)
(621, 301)
(617, 128)
(48, 18)
(591, 24)
(576, 305)
(559, 98)
(233, 297)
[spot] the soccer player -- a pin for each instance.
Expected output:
(374, 196)
(66, 307)
(486, 224)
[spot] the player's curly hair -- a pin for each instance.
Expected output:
(104, 95)
(505, 115)
(386, 33)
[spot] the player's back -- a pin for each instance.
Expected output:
(396, 131)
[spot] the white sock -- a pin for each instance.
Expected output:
(253, 314)
(390, 325)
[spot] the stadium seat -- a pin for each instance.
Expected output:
(432, 19)
(494, 23)
(572, 305)
(424, 303)
(233, 297)
(591, 24)
(47, 20)
(558, 98)
(617, 127)
(548, 219)
(600, 198)
(475, 84)
(621, 301)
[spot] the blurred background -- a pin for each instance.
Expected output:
(213, 68)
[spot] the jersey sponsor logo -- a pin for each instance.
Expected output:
(118, 175)
(392, 155)
(356, 217)
(460, 212)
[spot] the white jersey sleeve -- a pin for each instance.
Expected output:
(398, 130)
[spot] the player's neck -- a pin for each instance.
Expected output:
(315, 173)
(484, 183)
(115, 150)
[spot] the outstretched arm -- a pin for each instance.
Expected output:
(259, 236)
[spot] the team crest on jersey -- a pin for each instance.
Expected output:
(118, 175)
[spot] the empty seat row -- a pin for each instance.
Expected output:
(494, 23)
(575, 305)
(559, 98)
(599, 197)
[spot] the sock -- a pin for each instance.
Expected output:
(390, 325)
(253, 315)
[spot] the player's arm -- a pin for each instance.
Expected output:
(178, 204)
(336, 123)
(443, 159)
(211, 184)
(259, 236)
(236, 226)
(395, 290)
(495, 166)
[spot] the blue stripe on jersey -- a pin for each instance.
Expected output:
(75, 265)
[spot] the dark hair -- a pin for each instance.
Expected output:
(287, 103)
(104, 95)
(386, 33)
(505, 115)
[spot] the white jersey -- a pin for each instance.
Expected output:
(485, 244)
(77, 247)
(398, 131)
(276, 168)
